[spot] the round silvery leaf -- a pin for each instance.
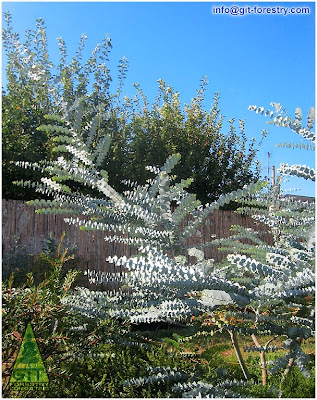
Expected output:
(292, 332)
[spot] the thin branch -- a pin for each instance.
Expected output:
(262, 358)
(236, 347)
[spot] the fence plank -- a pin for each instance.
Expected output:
(21, 226)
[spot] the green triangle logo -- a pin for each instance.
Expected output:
(29, 368)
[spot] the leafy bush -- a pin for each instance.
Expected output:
(58, 331)
(19, 261)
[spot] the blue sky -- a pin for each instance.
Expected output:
(249, 59)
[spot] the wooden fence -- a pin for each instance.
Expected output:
(22, 227)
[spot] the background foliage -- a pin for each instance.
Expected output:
(142, 133)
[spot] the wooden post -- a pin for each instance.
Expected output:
(273, 175)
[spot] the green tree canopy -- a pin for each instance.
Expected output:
(142, 134)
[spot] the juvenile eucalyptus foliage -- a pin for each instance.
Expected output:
(281, 277)
(271, 286)
(274, 284)
(158, 283)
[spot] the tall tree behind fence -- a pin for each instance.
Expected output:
(21, 226)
